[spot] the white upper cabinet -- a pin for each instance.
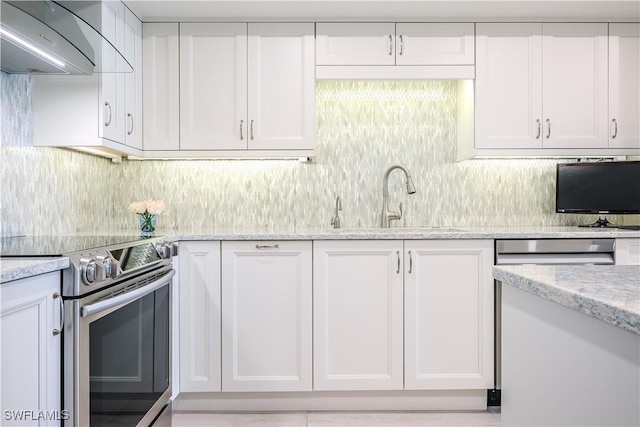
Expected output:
(133, 80)
(574, 100)
(541, 88)
(394, 51)
(102, 110)
(213, 88)
(395, 44)
(509, 86)
(161, 86)
(624, 85)
(241, 89)
(435, 44)
(281, 76)
(355, 43)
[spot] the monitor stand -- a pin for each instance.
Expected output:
(600, 223)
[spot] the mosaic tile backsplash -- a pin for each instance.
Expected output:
(363, 128)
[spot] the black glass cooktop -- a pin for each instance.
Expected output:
(47, 246)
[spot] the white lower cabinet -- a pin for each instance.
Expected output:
(30, 358)
(627, 252)
(448, 314)
(200, 316)
(364, 339)
(357, 297)
(266, 316)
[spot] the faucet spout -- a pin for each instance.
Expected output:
(388, 215)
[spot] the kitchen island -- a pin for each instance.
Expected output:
(570, 345)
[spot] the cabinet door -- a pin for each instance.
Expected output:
(448, 314)
(133, 80)
(435, 44)
(575, 85)
(112, 92)
(627, 252)
(624, 86)
(161, 85)
(266, 316)
(30, 358)
(509, 86)
(200, 316)
(281, 86)
(355, 43)
(358, 323)
(213, 86)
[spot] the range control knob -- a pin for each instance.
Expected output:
(109, 266)
(166, 250)
(88, 271)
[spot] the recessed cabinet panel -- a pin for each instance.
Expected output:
(448, 314)
(161, 87)
(266, 316)
(30, 365)
(213, 86)
(355, 43)
(133, 80)
(509, 86)
(435, 44)
(200, 363)
(358, 323)
(281, 108)
(574, 100)
(624, 85)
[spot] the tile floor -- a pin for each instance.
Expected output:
(337, 419)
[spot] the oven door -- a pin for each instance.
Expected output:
(120, 372)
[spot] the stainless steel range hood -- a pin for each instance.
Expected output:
(44, 37)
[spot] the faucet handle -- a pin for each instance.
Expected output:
(401, 212)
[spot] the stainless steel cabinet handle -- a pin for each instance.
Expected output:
(57, 296)
(410, 263)
(130, 117)
(241, 127)
(548, 128)
(615, 128)
(107, 105)
(398, 255)
(401, 45)
(251, 130)
(267, 246)
(390, 45)
(539, 128)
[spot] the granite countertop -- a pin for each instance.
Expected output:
(21, 268)
(408, 233)
(610, 293)
(11, 270)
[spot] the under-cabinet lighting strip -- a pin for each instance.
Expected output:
(17, 39)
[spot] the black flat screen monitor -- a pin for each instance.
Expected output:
(598, 188)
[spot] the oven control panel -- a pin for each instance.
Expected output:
(98, 268)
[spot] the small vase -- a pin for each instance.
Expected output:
(147, 223)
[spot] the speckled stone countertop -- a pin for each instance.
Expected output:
(610, 293)
(11, 270)
(406, 233)
(21, 268)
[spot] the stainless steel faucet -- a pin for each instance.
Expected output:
(335, 221)
(388, 215)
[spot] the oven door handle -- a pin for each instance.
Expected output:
(90, 309)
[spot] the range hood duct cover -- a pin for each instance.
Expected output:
(73, 46)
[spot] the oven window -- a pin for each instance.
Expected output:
(129, 360)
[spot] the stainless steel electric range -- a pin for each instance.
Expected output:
(116, 334)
